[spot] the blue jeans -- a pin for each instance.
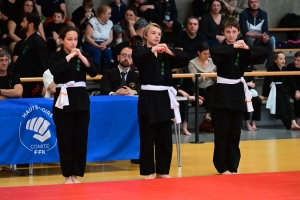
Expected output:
(97, 54)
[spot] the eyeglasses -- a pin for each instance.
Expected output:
(124, 55)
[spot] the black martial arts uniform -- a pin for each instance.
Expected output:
(154, 110)
(31, 62)
(284, 109)
(256, 101)
(111, 81)
(230, 101)
(294, 85)
(73, 120)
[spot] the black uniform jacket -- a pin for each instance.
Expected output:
(155, 71)
(231, 63)
(293, 80)
(32, 57)
(111, 81)
(281, 89)
(74, 70)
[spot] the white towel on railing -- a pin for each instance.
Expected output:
(271, 102)
(172, 95)
(248, 96)
(63, 99)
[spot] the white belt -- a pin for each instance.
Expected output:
(172, 94)
(63, 99)
(248, 96)
(271, 102)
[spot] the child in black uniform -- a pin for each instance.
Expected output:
(71, 103)
(231, 57)
(154, 107)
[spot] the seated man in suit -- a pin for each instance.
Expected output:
(121, 80)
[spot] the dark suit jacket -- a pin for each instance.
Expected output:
(111, 81)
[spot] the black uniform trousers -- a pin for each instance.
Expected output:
(227, 125)
(296, 107)
(208, 94)
(158, 135)
(72, 135)
(256, 115)
(284, 110)
(184, 110)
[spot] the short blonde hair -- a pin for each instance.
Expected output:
(103, 9)
(151, 25)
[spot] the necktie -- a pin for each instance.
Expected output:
(123, 74)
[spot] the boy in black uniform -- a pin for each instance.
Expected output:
(71, 105)
(231, 57)
(154, 107)
(10, 84)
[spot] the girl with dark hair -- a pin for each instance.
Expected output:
(295, 85)
(204, 64)
(71, 104)
(132, 24)
(276, 90)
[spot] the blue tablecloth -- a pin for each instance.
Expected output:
(27, 131)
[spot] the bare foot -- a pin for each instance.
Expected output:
(184, 128)
(226, 173)
(207, 117)
(186, 132)
(253, 124)
(75, 180)
(150, 176)
(248, 126)
(294, 125)
(163, 176)
(68, 180)
(235, 173)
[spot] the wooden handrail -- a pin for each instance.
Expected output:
(283, 29)
(190, 75)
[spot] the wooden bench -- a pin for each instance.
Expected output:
(285, 30)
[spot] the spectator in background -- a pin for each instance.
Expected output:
(8, 9)
(118, 8)
(121, 80)
(235, 7)
(10, 83)
(32, 56)
(211, 24)
(47, 8)
(200, 7)
(190, 39)
(276, 90)
(144, 10)
(203, 64)
(52, 29)
(82, 14)
(255, 29)
(98, 35)
(186, 88)
(132, 24)
(14, 23)
(4, 39)
(256, 102)
(295, 85)
(165, 15)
